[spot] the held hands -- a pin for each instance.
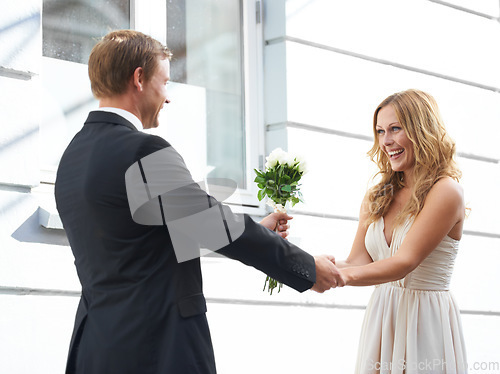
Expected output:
(277, 222)
(327, 274)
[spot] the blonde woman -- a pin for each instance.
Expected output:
(408, 236)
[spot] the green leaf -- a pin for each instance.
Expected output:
(268, 192)
(258, 172)
(260, 195)
(286, 188)
(280, 171)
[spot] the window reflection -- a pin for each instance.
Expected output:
(71, 28)
(70, 31)
(206, 39)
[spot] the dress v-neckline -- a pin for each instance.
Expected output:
(383, 234)
(389, 245)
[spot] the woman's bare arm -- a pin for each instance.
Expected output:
(443, 209)
(358, 255)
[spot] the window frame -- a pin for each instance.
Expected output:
(150, 17)
(252, 33)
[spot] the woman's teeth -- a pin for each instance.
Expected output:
(394, 153)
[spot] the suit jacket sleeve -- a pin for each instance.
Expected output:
(165, 194)
(265, 250)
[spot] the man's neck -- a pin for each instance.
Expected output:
(126, 105)
(121, 102)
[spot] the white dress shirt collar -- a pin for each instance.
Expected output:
(125, 114)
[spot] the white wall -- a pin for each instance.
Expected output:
(327, 65)
(33, 330)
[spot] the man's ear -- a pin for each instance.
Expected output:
(138, 79)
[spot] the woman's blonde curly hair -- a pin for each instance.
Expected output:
(419, 116)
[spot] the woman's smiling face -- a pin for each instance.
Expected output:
(393, 141)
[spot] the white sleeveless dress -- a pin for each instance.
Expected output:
(412, 325)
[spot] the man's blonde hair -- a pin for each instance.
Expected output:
(117, 55)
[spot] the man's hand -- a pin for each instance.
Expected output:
(277, 222)
(327, 274)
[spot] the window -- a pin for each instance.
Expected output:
(206, 39)
(213, 119)
(70, 30)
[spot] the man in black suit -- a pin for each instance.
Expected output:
(142, 310)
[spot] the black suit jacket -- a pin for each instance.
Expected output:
(141, 311)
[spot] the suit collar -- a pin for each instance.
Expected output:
(100, 116)
(132, 118)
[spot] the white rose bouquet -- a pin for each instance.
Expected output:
(280, 183)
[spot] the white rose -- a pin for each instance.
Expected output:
(274, 157)
(289, 159)
(302, 166)
(300, 158)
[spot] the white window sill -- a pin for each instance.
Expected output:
(48, 216)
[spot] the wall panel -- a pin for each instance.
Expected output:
(480, 181)
(30, 255)
(19, 123)
(487, 7)
(403, 32)
(36, 331)
(476, 278)
(340, 92)
(20, 36)
(284, 339)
